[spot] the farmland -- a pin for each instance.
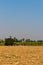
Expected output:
(21, 55)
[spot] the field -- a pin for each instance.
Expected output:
(21, 55)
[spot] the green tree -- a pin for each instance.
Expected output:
(15, 39)
(9, 41)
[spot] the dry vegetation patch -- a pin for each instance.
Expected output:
(21, 55)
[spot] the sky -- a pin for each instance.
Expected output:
(21, 19)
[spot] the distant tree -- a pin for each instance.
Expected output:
(15, 39)
(39, 40)
(1, 41)
(9, 41)
(22, 40)
(27, 40)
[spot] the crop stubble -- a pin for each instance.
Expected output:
(21, 55)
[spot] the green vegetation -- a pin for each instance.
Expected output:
(9, 41)
(14, 41)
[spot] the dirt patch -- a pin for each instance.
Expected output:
(21, 55)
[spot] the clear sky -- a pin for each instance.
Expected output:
(21, 18)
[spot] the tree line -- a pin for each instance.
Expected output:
(14, 41)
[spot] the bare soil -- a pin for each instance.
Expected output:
(21, 55)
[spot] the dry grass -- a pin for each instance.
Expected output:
(21, 55)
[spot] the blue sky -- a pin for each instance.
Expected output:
(21, 18)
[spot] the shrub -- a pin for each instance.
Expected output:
(9, 41)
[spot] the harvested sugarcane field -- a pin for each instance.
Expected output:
(21, 55)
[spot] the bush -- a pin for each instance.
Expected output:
(9, 41)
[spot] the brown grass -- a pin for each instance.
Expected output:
(21, 55)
